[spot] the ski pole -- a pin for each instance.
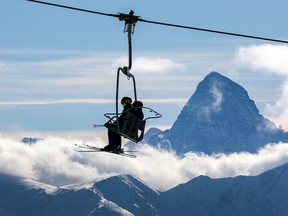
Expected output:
(98, 125)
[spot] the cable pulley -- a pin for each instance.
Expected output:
(130, 21)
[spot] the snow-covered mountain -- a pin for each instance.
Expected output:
(219, 117)
(265, 194)
(119, 195)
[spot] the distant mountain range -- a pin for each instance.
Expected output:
(265, 194)
(219, 117)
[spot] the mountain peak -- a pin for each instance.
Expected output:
(217, 94)
(219, 117)
(214, 74)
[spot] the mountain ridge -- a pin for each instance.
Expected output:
(241, 195)
(264, 194)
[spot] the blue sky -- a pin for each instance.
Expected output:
(58, 67)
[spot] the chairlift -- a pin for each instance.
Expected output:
(132, 128)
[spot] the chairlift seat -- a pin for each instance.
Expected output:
(132, 127)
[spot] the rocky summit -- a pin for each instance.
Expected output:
(219, 118)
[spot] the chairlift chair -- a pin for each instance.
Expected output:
(132, 127)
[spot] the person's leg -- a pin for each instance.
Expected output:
(118, 141)
(114, 140)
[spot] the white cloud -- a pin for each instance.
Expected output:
(62, 101)
(272, 58)
(278, 111)
(215, 104)
(151, 65)
(54, 161)
(92, 101)
(79, 75)
(216, 92)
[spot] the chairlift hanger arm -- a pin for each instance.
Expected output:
(132, 19)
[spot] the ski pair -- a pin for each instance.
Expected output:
(89, 148)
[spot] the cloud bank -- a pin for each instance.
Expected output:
(54, 161)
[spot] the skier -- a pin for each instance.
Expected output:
(114, 139)
(137, 109)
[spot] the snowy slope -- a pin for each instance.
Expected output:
(265, 194)
(120, 195)
(22, 197)
(219, 117)
(130, 193)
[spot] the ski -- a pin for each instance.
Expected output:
(87, 148)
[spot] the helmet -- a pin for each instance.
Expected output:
(138, 104)
(126, 100)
